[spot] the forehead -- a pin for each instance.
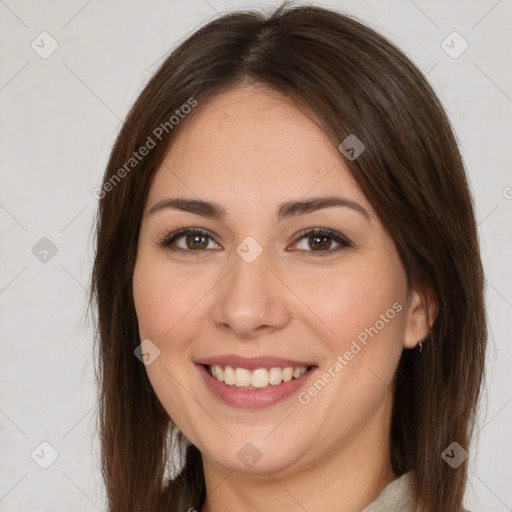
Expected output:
(253, 145)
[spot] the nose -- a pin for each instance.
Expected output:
(252, 299)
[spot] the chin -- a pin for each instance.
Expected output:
(256, 457)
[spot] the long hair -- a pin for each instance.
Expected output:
(353, 81)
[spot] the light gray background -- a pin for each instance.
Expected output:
(59, 118)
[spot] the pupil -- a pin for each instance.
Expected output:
(196, 238)
(317, 240)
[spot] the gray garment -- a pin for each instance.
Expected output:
(395, 497)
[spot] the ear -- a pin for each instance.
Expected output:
(421, 314)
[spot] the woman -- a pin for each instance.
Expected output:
(288, 280)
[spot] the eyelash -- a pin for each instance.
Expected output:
(167, 242)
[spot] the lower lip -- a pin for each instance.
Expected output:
(252, 398)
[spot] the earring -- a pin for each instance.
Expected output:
(420, 345)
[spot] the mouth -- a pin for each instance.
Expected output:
(253, 382)
(260, 378)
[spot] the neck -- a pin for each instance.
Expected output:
(351, 476)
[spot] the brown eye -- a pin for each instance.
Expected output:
(317, 242)
(321, 240)
(196, 241)
(187, 241)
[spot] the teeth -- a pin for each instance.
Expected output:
(297, 372)
(259, 378)
(275, 376)
(229, 376)
(242, 377)
(287, 374)
(218, 373)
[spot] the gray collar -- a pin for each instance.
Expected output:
(397, 496)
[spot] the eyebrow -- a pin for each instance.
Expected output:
(285, 210)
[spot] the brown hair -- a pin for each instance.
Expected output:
(354, 81)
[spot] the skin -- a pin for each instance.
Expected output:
(250, 149)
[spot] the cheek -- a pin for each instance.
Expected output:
(165, 303)
(150, 294)
(365, 307)
(361, 301)
(164, 298)
(153, 291)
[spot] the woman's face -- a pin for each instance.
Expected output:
(254, 296)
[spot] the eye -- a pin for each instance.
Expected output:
(194, 240)
(320, 241)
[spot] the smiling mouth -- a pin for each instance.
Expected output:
(259, 378)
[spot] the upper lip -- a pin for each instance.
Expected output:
(252, 363)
